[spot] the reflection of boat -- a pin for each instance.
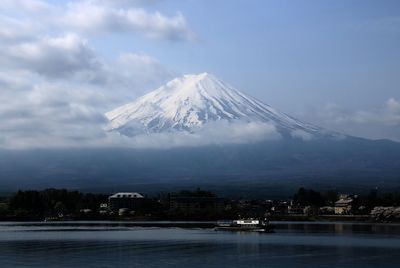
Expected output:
(251, 225)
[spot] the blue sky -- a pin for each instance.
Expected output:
(295, 55)
(315, 51)
(333, 63)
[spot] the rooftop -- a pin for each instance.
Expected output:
(126, 195)
(343, 202)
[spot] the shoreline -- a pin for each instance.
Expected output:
(187, 223)
(328, 218)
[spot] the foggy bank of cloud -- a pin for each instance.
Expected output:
(378, 123)
(213, 133)
(90, 133)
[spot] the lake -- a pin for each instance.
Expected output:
(121, 244)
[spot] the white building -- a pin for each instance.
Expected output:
(131, 200)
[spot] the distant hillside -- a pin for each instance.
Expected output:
(279, 165)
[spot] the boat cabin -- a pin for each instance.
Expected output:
(247, 223)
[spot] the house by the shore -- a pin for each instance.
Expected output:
(344, 206)
(131, 201)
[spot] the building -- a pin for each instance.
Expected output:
(344, 205)
(131, 201)
(280, 208)
(327, 210)
(295, 209)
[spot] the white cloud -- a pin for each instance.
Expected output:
(393, 105)
(14, 30)
(382, 122)
(70, 57)
(27, 17)
(301, 134)
(110, 19)
(54, 115)
(50, 115)
(127, 77)
(52, 44)
(388, 114)
(33, 6)
(40, 113)
(53, 56)
(42, 44)
(132, 71)
(47, 115)
(126, 2)
(214, 133)
(55, 87)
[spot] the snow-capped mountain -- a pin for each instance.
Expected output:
(191, 101)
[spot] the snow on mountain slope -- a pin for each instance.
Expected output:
(191, 101)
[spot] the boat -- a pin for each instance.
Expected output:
(248, 225)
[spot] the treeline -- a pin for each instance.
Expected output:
(310, 197)
(64, 204)
(52, 202)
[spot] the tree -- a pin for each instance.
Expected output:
(310, 197)
(59, 208)
(330, 197)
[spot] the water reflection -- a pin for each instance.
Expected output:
(110, 244)
(339, 228)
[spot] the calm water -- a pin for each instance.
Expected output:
(104, 244)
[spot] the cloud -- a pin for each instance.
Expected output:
(13, 30)
(55, 86)
(111, 19)
(128, 76)
(40, 113)
(50, 115)
(127, 2)
(69, 112)
(388, 114)
(392, 107)
(54, 115)
(213, 133)
(132, 71)
(106, 17)
(54, 56)
(70, 57)
(301, 134)
(31, 6)
(382, 122)
(53, 44)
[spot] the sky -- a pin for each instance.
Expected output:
(63, 64)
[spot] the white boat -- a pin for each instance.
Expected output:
(254, 225)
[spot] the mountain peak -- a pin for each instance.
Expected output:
(199, 76)
(191, 101)
(192, 83)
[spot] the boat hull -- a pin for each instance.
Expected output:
(264, 229)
